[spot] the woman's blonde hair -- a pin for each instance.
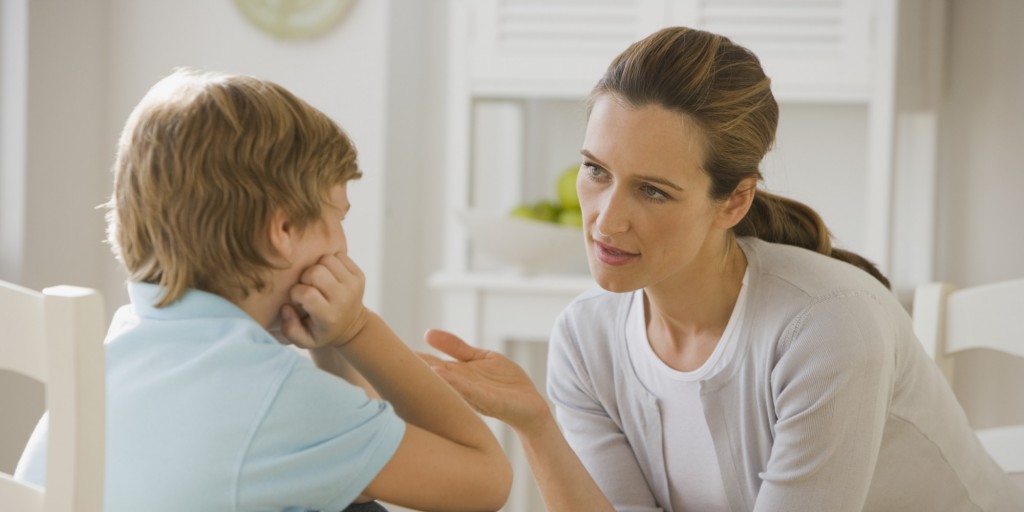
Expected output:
(203, 163)
(721, 86)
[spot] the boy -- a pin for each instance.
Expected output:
(229, 196)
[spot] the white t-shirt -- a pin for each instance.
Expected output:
(695, 480)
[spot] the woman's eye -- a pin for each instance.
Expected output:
(593, 171)
(652, 192)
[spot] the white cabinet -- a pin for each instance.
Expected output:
(519, 71)
(813, 49)
(551, 48)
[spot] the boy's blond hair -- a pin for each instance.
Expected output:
(203, 163)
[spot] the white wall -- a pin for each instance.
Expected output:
(981, 173)
(980, 207)
(52, 100)
(56, 155)
(343, 73)
(381, 75)
(87, 63)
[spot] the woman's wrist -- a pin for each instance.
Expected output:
(536, 425)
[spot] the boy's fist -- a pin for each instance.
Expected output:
(329, 300)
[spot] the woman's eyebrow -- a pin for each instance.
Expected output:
(653, 179)
(660, 181)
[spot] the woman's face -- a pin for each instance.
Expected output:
(647, 217)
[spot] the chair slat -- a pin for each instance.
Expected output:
(56, 337)
(987, 317)
(1006, 445)
(23, 341)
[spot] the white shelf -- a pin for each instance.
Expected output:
(493, 309)
(510, 282)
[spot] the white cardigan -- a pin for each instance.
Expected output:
(830, 403)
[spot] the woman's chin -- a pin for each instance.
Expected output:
(613, 283)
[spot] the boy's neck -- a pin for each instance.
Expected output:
(263, 307)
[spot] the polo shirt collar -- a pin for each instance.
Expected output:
(193, 304)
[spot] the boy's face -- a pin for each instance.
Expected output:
(326, 236)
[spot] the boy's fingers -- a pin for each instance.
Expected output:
(336, 266)
(309, 297)
(452, 345)
(350, 264)
(342, 266)
(293, 329)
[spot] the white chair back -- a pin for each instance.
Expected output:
(949, 321)
(56, 337)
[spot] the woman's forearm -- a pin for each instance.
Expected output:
(564, 482)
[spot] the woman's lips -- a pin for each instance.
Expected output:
(611, 255)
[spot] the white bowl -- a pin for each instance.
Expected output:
(529, 246)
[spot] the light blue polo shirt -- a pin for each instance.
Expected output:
(206, 411)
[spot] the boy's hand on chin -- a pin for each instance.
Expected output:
(330, 293)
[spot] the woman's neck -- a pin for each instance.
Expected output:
(685, 320)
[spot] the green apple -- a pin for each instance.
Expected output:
(566, 188)
(571, 217)
(522, 211)
(546, 211)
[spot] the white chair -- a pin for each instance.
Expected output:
(56, 337)
(948, 321)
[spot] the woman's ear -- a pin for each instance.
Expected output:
(281, 237)
(735, 207)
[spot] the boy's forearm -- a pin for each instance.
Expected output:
(418, 395)
(329, 359)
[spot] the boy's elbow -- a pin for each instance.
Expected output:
(503, 482)
(497, 480)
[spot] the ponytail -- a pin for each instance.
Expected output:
(781, 220)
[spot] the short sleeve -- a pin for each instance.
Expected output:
(321, 442)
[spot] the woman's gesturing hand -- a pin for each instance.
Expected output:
(496, 386)
(490, 382)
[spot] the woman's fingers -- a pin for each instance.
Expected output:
(491, 383)
(462, 379)
(453, 345)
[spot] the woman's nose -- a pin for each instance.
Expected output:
(613, 217)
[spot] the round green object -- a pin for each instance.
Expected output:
(294, 19)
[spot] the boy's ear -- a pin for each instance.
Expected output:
(735, 207)
(281, 235)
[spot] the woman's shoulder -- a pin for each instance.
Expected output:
(781, 269)
(791, 285)
(596, 305)
(596, 316)
(800, 294)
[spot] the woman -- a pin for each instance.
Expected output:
(734, 360)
